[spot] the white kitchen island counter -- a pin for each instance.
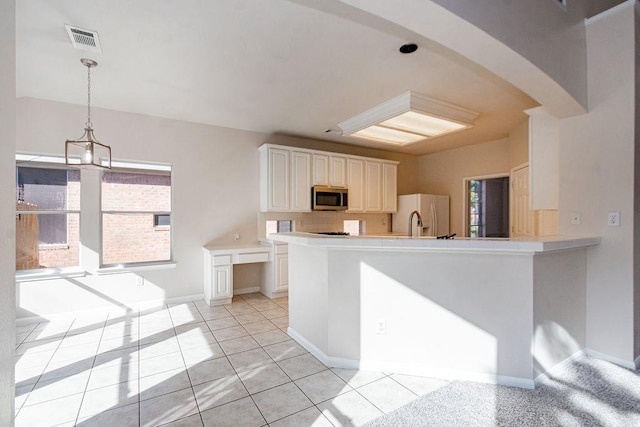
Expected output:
(492, 310)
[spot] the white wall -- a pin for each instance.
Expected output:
(444, 173)
(597, 176)
(558, 47)
(509, 38)
(559, 307)
(7, 209)
(519, 145)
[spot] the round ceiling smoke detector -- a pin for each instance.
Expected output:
(408, 48)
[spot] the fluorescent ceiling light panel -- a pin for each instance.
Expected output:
(408, 118)
(391, 136)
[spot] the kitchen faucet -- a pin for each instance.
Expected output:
(411, 222)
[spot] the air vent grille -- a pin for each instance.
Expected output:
(84, 39)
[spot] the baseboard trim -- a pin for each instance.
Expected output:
(243, 291)
(555, 369)
(145, 305)
(633, 365)
(408, 369)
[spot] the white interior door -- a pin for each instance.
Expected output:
(521, 215)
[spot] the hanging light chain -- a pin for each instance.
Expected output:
(88, 96)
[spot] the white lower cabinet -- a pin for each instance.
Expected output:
(282, 272)
(223, 281)
(218, 278)
(275, 277)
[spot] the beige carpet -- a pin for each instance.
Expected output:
(588, 392)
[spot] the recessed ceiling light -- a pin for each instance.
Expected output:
(408, 48)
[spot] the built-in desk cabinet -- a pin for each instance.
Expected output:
(218, 269)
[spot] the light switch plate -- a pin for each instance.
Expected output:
(613, 219)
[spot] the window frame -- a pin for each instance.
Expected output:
(465, 198)
(136, 168)
(58, 162)
(49, 162)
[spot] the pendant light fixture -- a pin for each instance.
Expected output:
(87, 151)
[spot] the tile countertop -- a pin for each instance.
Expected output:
(458, 244)
(238, 247)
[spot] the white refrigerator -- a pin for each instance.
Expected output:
(433, 209)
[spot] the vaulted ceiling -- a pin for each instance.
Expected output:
(274, 66)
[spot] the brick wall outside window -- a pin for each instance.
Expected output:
(128, 231)
(129, 236)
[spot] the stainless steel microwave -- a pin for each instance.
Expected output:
(329, 198)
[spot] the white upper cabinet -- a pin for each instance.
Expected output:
(287, 175)
(355, 184)
(274, 180)
(320, 169)
(373, 193)
(338, 171)
(389, 187)
(329, 170)
(300, 181)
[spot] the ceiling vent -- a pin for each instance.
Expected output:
(84, 39)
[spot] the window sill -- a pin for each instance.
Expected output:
(116, 269)
(49, 273)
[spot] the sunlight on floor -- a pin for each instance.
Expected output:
(193, 364)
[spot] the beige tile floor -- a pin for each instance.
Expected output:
(193, 365)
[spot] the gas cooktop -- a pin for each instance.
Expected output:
(332, 233)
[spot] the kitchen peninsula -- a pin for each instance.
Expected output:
(490, 310)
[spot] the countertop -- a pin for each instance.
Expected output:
(398, 242)
(238, 247)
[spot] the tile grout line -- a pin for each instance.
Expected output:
(186, 368)
(45, 366)
(86, 386)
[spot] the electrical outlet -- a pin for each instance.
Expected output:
(576, 218)
(381, 327)
(139, 280)
(613, 219)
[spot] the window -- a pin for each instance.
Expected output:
(488, 207)
(136, 216)
(162, 220)
(47, 216)
(278, 226)
(476, 209)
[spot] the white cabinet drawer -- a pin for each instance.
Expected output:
(251, 257)
(222, 260)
